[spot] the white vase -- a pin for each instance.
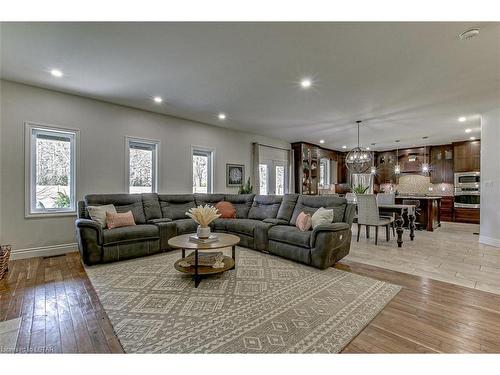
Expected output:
(203, 232)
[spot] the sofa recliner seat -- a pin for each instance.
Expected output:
(264, 223)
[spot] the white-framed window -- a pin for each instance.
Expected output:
(202, 160)
(273, 177)
(141, 165)
(51, 170)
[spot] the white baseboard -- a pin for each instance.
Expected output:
(43, 251)
(489, 241)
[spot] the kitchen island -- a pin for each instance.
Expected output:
(427, 215)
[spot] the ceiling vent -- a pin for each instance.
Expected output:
(470, 33)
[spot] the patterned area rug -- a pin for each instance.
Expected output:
(266, 305)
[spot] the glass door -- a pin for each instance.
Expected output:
(273, 176)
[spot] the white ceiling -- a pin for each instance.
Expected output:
(404, 80)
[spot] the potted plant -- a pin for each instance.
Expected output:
(359, 189)
(203, 216)
(246, 188)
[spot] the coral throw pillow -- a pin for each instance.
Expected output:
(226, 210)
(118, 220)
(303, 222)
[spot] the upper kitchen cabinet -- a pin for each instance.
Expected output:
(411, 159)
(385, 162)
(467, 156)
(441, 164)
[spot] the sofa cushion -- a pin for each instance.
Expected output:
(291, 235)
(175, 206)
(134, 233)
(265, 206)
(210, 199)
(242, 203)
(287, 206)
(220, 224)
(243, 226)
(122, 203)
(309, 204)
(151, 205)
(185, 226)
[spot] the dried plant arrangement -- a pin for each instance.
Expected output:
(203, 215)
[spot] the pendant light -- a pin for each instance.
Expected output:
(358, 160)
(425, 166)
(397, 168)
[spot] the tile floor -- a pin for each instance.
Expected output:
(451, 254)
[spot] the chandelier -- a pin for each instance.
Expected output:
(358, 160)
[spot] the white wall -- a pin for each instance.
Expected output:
(490, 178)
(103, 127)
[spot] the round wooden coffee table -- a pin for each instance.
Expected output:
(183, 242)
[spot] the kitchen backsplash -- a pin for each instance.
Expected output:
(417, 184)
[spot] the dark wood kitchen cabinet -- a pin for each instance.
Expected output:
(385, 162)
(446, 209)
(442, 164)
(467, 156)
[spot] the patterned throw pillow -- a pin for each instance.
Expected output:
(98, 213)
(322, 216)
(118, 220)
(303, 221)
(226, 210)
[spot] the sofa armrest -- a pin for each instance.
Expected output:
(158, 221)
(93, 226)
(333, 227)
(276, 221)
(90, 239)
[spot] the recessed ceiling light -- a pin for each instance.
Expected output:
(344, 146)
(222, 116)
(157, 99)
(470, 33)
(56, 73)
(468, 130)
(462, 119)
(368, 148)
(472, 138)
(306, 83)
(321, 141)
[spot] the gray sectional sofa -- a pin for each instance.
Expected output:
(263, 222)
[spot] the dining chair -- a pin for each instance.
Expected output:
(417, 211)
(368, 215)
(388, 198)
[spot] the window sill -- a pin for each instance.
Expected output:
(40, 215)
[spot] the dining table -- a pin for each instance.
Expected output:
(399, 210)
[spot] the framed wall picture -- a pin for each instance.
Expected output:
(235, 174)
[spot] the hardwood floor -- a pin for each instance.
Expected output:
(61, 312)
(60, 309)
